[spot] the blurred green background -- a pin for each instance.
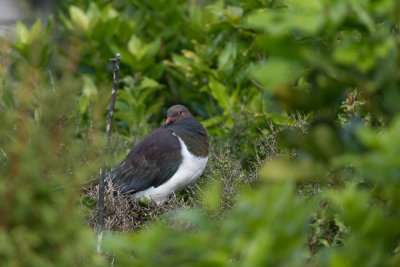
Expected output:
(300, 100)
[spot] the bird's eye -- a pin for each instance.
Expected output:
(180, 112)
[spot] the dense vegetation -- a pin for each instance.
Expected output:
(300, 99)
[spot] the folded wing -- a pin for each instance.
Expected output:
(151, 162)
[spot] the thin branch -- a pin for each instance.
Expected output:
(100, 222)
(327, 237)
(310, 244)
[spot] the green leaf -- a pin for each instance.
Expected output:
(94, 13)
(83, 104)
(141, 50)
(346, 53)
(234, 11)
(285, 169)
(219, 92)
(22, 32)
(227, 56)
(89, 88)
(276, 72)
(212, 197)
(363, 16)
(305, 16)
(36, 31)
(135, 45)
(37, 115)
(153, 47)
(79, 18)
(109, 13)
(180, 62)
(150, 83)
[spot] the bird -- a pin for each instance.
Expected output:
(165, 161)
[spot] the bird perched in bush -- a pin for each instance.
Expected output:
(165, 161)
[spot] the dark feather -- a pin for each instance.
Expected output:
(151, 162)
(193, 134)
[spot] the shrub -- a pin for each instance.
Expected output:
(327, 192)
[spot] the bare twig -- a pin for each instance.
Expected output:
(100, 221)
(310, 244)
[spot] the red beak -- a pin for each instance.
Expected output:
(169, 119)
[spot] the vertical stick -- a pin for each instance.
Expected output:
(100, 222)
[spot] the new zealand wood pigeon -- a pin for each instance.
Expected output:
(165, 161)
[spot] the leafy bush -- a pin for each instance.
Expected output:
(40, 224)
(328, 189)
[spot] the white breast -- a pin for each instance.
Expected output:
(190, 169)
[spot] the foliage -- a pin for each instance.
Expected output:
(40, 224)
(199, 68)
(327, 194)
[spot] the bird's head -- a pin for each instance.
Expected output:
(177, 113)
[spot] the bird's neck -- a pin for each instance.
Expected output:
(193, 135)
